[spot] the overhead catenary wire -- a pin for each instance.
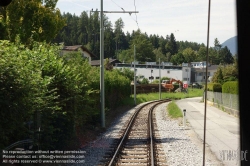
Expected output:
(136, 16)
(129, 13)
(117, 5)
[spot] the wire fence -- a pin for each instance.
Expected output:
(225, 99)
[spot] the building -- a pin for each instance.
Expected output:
(187, 72)
(84, 51)
(198, 73)
(152, 71)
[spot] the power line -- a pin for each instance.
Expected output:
(129, 12)
(136, 16)
(118, 5)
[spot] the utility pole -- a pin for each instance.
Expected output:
(134, 79)
(159, 78)
(102, 68)
(205, 98)
(102, 100)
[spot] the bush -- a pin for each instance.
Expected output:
(165, 78)
(230, 87)
(215, 87)
(144, 81)
(63, 89)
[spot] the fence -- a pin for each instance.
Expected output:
(225, 99)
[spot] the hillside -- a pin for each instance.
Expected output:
(231, 43)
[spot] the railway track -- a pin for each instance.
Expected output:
(140, 143)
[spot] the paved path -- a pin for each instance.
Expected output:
(222, 134)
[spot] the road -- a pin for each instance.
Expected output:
(222, 129)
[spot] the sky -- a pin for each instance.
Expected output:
(186, 19)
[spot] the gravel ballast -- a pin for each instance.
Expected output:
(181, 145)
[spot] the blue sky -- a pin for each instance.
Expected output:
(186, 19)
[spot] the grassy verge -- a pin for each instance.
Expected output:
(141, 98)
(173, 110)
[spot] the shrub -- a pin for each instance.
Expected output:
(230, 87)
(144, 81)
(63, 89)
(165, 78)
(215, 87)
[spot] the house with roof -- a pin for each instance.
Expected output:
(111, 61)
(84, 51)
(198, 73)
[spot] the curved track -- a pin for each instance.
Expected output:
(139, 144)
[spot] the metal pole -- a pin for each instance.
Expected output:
(159, 79)
(102, 102)
(205, 109)
(134, 78)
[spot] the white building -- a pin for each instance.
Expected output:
(152, 72)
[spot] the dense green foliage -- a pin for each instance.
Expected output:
(144, 81)
(230, 87)
(34, 20)
(64, 91)
(226, 73)
(215, 87)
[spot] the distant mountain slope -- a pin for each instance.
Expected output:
(231, 44)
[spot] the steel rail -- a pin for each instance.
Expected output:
(128, 128)
(151, 135)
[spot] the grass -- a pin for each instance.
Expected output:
(173, 110)
(141, 98)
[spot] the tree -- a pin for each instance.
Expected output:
(126, 55)
(82, 30)
(171, 45)
(154, 40)
(32, 20)
(217, 45)
(230, 73)
(109, 43)
(144, 49)
(189, 55)
(118, 33)
(177, 58)
(225, 56)
(181, 45)
(158, 54)
(168, 57)
(202, 54)
(218, 76)
(162, 44)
